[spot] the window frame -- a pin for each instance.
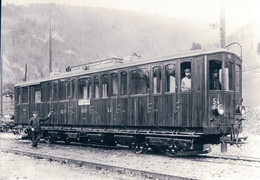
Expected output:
(148, 90)
(22, 94)
(181, 61)
(97, 76)
(161, 68)
(125, 71)
(220, 74)
(107, 87)
(90, 93)
(165, 77)
(111, 84)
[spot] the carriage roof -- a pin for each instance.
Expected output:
(121, 64)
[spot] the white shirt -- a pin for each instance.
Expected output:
(186, 84)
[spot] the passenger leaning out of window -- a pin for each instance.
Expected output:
(186, 81)
(214, 83)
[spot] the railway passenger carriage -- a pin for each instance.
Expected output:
(139, 102)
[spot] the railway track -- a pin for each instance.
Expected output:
(201, 157)
(229, 157)
(97, 166)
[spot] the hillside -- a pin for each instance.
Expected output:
(82, 34)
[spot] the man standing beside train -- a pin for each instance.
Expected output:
(34, 124)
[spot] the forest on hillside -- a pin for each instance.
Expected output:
(83, 34)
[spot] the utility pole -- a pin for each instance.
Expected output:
(1, 59)
(222, 25)
(25, 72)
(50, 58)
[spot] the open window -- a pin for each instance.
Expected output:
(139, 80)
(96, 87)
(114, 84)
(104, 85)
(85, 88)
(186, 77)
(228, 77)
(215, 75)
(157, 80)
(170, 78)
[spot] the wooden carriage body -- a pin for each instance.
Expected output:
(138, 94)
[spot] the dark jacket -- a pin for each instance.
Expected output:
(36, 122)
(214, 84)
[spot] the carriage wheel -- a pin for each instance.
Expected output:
(48, 139)
(169, 151)
(66, 140)
(138, 148)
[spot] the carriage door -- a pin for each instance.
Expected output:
(24, 107)
(100, 108)
(190, 97)
(170, 106)
(139, 96)
(184, 101)
(155, 103)
(84, 90)
(114, 100)
(72, 105)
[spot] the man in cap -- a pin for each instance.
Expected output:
(34, 123)
(186, 81)
(214, 83)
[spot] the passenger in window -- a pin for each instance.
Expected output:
(214, 83)
(186, 81)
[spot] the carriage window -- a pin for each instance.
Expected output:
(238, 78)
(186, 76)
(105, 85)
(62, 90)
(170, 78)
(85, 88)
(25, 95)
(114, 80)
(228, 79)
(49, 92)
(17, 97)
(157, 80)
(123, 83)
(215, 74)
(73, 95)
(37, 94)
(96, 87)
(139, 81)
(55, 91)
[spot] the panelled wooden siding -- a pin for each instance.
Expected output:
(147, 106)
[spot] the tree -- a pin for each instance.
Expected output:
(195, 46)
(8, 90)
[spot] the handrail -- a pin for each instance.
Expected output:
(226, 47)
